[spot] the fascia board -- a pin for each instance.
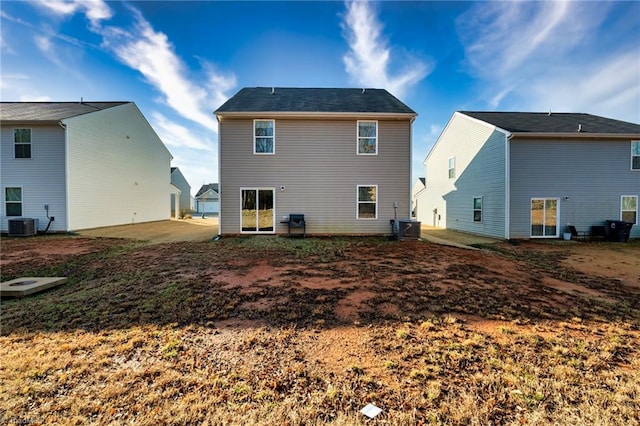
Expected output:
(324, 115)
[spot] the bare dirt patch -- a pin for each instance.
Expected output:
(308, 331)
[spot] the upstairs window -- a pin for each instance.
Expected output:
(452, 167)
(22, 143)
(264, 136)
(367, 137)
(367, 202)
(635, 155)
(13, 201)
(477, 209)
(629, 208)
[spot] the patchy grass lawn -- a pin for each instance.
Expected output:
(276, 331)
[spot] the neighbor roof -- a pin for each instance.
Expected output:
(555, 122)
(49, 111)
(207, 187)
(313, 100)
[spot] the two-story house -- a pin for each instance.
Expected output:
(181, 197)
(79, 165)
(529, 175)
(341, 157)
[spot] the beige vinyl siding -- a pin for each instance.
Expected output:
(592, 174)
(316, 162)
(479, 152)
(118, 169)
(41, 177)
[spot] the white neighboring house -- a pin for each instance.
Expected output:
(529, 175)
(208, 198)
(418, 187)
(181, 198)
(86, 164)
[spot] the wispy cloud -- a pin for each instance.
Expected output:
(174, 134)
(540, 55)
(152, 54)
(369, 56)
(95, 10)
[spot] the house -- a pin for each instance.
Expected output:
(528, 175)
(207, 199)
(418, 187)
(79, 165)
(341, 157)
(181, 196)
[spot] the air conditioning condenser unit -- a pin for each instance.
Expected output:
(23, 227)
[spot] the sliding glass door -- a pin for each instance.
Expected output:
(544, 218)
(257, 212)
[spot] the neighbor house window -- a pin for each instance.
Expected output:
(368, 137)
(635, 155)
(13, 201)
(477, 209)
(629, 208)
(264, 136)
(367, 202)
(22, 143)
(452, 167)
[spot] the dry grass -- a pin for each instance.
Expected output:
(147, 337)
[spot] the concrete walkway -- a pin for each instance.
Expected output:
(453, 238)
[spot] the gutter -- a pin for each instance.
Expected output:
(315, 114)
(573, 135)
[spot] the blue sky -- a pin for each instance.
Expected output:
(180, 60)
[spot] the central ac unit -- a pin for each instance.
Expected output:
(23, 227)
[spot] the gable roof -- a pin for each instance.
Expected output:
(50, 111)
(313, 100)
(206, 187)
(544, 122)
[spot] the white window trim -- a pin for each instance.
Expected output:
(632, 155)
(274, 136)
(473, 218)
(4, 199)
(451, 168)
(253, 188)
(358, 138)
(13, 137)
(637, 206)
(557, 235)
(367, 202)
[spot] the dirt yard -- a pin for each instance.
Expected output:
(270, 330)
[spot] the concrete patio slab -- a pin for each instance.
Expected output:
(20, 287)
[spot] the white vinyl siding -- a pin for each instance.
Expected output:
(118, 170)
(42, 178)
(476, 153)
(319, 169)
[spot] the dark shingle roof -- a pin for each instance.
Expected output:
(310, 100)
(49, 111)
(206, 187)
(556, 122)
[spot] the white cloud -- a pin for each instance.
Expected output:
(369, 57)
(541, 55)
(94, 10)
(151, 53)
(173, 134)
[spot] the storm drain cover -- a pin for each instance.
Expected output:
(24, 286)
